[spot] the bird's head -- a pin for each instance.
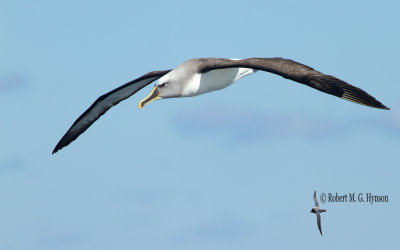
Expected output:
(166, 87)
(312, 211)
(173, 84)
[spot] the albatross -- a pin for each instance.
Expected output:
(202, 75)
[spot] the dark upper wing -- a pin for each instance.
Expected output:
(315, 198)
(319, 222)
(300, 73)
(104, 103)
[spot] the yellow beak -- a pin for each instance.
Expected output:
(153, 95)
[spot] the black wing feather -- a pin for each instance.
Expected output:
(300, 73)
(104, 103)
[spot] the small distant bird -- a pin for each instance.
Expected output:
(202, 75)
(316, 210)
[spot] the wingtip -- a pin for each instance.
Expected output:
(382, 107)
(56, 149)
(379, 105)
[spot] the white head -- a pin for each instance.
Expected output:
(170, 85)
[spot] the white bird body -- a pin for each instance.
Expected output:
(214, 80)
(194, 83)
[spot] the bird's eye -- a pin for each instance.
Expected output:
(162, 85)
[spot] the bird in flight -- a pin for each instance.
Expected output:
(316, 210)
(202, 75)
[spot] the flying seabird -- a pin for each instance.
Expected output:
(202, 75)
(316, 210)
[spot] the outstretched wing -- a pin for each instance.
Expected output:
(104, 103)
(315, 199)
(319, 222)
(300, 73)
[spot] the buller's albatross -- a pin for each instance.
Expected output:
(202, 75)
(316, 210)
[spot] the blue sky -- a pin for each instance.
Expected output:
(233, 169)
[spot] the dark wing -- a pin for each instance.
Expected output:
(300, 73)
(319, 222)
(104, 103)
(315, 199)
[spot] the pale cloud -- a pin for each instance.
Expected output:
(12, 164)
(12, 82)
(253, 125)
(63, 240)
(218, 229)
